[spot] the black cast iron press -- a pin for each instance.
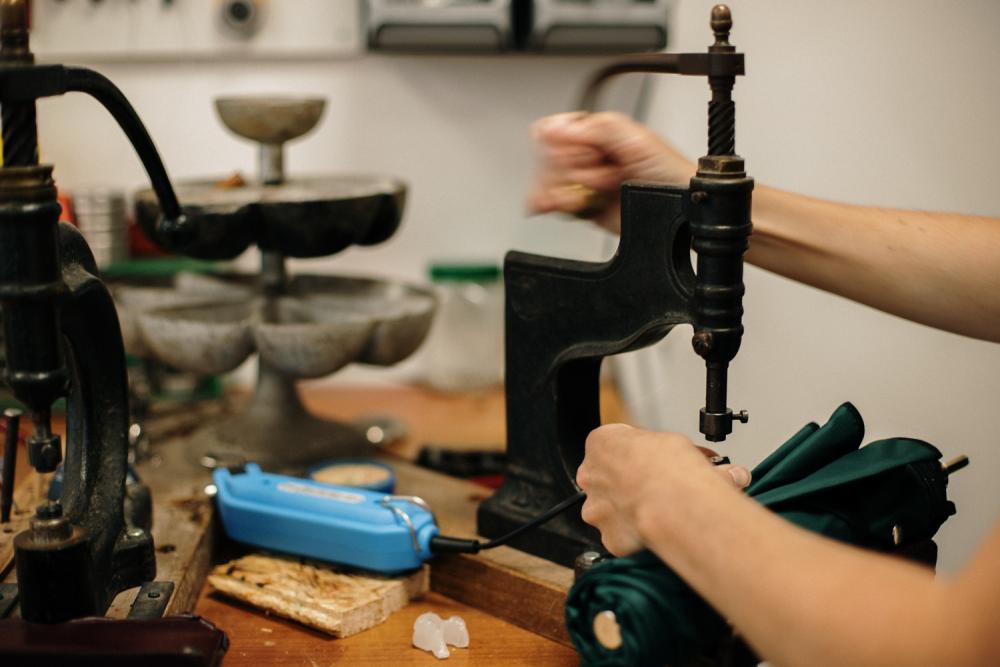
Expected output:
(564, 316)
(63, 339)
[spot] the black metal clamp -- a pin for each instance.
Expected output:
(563, 316)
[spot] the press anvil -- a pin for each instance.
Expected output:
(564, 316)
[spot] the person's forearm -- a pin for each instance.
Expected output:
(800, 599)
(934, 268)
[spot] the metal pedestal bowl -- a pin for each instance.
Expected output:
(318, 325)
(303, 327)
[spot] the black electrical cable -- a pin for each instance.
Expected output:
(454, 545)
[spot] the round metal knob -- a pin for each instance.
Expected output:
(722, 23)
(585, 561)
(722, 20)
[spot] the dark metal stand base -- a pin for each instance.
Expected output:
(289, 443)
(276, 432)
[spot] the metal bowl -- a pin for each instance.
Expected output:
(323, 324)
(269, 119)
(307, 217)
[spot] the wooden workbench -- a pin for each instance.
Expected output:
(471, 421)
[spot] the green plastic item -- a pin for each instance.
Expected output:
(156, 267)
(820, 479)
(464, 272)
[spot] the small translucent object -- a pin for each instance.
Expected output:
(432, 634)
(429, 636)
(455, 633)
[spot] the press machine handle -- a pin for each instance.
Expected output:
(719, 212)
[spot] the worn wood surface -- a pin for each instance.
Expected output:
(185, 530)
(184, 527)
(475, 420)
(517, 587)
(315, 594)
(258, 639)
(509, 584)
(28, 493)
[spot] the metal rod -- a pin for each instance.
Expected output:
(955, 464)
(273, 277)
(272, 164)
(653, 63)
(13, 423)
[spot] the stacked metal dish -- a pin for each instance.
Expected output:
(100, 215)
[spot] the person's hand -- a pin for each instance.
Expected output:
(585, 157)
(626, 467)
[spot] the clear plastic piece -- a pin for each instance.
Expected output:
(455, 633)
(432, 634)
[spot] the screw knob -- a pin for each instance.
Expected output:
(722, 23)
(742, 416)
(702, 342)
(585, 561)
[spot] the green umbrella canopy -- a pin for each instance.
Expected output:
(822, 480)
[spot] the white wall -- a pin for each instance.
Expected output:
(454, 128)
(885, 103)
(889, 103)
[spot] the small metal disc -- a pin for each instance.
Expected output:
(607, 631)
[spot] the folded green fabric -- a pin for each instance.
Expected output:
(820, 479)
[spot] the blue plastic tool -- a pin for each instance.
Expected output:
(345, 525)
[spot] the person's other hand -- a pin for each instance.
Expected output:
(625, 467)
(585, 157)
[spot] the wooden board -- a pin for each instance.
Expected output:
(512, 585)
(258, 639)
(185, 530)
(316, 594)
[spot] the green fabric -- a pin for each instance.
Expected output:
(820, 479)
(663, 621)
